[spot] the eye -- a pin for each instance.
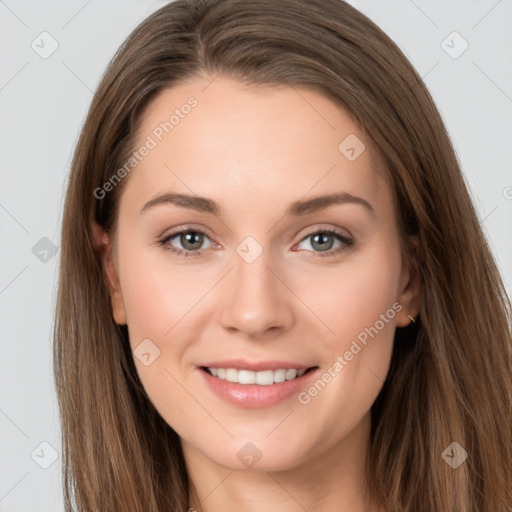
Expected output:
(323, 241)
(191, 241)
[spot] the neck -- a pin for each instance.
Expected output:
(332, 480)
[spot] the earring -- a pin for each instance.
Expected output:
(411, 318)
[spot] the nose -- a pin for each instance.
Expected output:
(257, 300)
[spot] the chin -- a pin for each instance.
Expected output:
(257, 456)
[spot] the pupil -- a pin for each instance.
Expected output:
(195, 240)
(188, 238)
(319, 239)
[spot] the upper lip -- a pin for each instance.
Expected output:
(255, 366)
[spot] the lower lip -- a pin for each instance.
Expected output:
(254, 396)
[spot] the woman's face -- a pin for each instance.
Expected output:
(265, 276)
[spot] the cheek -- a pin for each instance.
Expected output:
(357, 304)
(158, 293)
(159, 300)
(351, 296)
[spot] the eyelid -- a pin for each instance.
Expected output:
(203, 230)
(345, 238)
(335, 229)
(185, 227)
(346, 243)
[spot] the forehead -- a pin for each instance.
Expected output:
(241, 144)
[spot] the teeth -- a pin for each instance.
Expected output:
(291, 374)
(231, 375)
(263, 378)
(279, 375)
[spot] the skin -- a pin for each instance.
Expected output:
(255, 150)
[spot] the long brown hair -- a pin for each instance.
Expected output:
(450, 377)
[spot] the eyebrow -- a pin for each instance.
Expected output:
(203, 204)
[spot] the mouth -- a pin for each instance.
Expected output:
(256, 389)
(254, 384)
(267, 377)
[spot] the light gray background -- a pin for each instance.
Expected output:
(42, 106)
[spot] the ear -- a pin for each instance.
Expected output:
(410, 285)
(103, 247)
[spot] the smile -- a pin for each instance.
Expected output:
(256, 388)
(261, 378)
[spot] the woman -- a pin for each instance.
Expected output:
(274, 289)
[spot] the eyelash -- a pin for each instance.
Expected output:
(347, 243)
